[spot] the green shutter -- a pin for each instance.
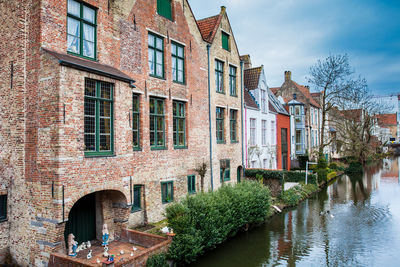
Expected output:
(225, 41)
(164, 8)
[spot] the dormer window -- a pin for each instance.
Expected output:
(225, 41)
(81, 29)
(164, 8)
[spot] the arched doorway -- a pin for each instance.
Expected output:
(239, 174)
(82, 219)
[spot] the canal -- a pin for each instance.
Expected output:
(362, 227)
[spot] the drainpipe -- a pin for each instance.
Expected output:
(209, 116)
(241, 113)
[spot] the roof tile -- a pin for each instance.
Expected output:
(251, 78)
(249, 100)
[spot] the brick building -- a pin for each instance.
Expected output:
(225, 83)
(105, 115)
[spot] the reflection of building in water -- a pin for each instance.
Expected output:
(390, 172)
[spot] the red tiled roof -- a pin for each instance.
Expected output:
(316, 94)
(208, 27)
(352, 114)
(249, 101)
(275, 89)
(386, 119)
(251, 78)
(306, 92)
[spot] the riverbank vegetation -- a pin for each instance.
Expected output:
(294, 195)
(283, 176)
(205, 220)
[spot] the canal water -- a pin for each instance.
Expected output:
(362, 227)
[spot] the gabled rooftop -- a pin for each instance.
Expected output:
(251, 77)
(208, 27)
(249, 100)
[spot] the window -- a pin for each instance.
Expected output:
(312, 116)
(273, 136)
(136, 122)
(178, 63)
(179, 124)
(156, 55)
(265, 163)
(298, 114)
(232, 81)
(225, 41)
(191, 184)
(167, 192)
(164, 8)
(81, 29)
(298, 141)
(220, 125)
(98, 118)
(264, 132)
(225, 166)
(312, 138)
(157, 123)
(3, 208)
(252, 132)
(264, 107)
(136, 206)
(219, 76)
(233, 124)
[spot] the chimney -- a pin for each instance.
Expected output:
(288, 75)
(246, 61)
(223, 9)
(294, 96)
(308, 87)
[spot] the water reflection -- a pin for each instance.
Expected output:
(364, 229)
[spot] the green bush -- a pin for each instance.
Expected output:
(157, 260)
(331, 175)
(298, 193)
(354, 167)
(333, 166)
(290, 176)
(205, 220)
(322, 164)
(322, 175)
(302, 160)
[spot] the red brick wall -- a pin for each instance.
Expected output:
(282, 121)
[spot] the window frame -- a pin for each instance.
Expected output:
(227, 176)
(136, 113)
(225, 42)
(176, 119)
(220, 121)
(136, 206)
(154, 120)
(264, 128)
(253, 132)
(191, 184)
(97, 99)
(160, 10)
(164, 195)
(177, 58)
(3, 203)
(233, 80)
(219, 76)
(81, 22)
(233, 125)
(154, 48)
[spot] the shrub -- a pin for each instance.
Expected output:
(333, 166)
(322, 175)
(157, 260)
(331, 175)
(290, 176)
(203, 221)
(354, 167)
(298, 193)
(322, 163)
(302, 160)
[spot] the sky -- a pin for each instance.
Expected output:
(294, 34)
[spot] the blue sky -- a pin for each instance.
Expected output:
(294, 34)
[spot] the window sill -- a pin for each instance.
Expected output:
(137, 149)
(99, 154)
(81, 56)
(234, 95)
(167, 202)
(192, 193)
(234, 142)
(158, 148)
(157, 77)
(222, 93)
(221, 142)
(180, 147)
(3, 220)
(177, 82)
(134, 210)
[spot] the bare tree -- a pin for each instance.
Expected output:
(201, 170)
(334, 78)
